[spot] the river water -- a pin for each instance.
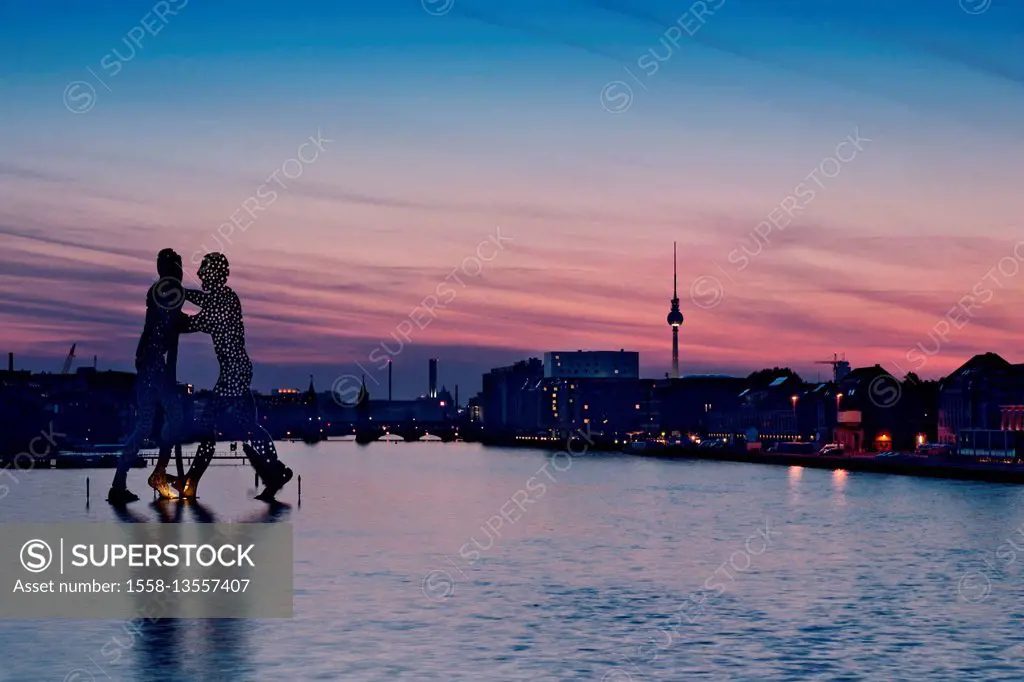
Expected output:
(430, 561)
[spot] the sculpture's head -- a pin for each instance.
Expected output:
(214, 271)
(168, 265)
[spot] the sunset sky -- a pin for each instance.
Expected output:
(452, 122)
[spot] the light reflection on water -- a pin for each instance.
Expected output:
(585, 580)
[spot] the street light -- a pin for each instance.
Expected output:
(839, 397)
(796, 424)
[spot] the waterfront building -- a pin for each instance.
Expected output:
(391, 415)
(980, 401)
(93, 408)
(510, 400)
(685, 405)
(473, 410)
(606, 407)
(23, 411)
(88, 408)
(879, 412)
(290, 413)
(598, 364)
(764, 411)
(423, 410)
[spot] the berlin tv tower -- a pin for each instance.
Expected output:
(675, 318)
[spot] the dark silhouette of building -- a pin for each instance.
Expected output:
(291, 413)
(607, 407)
(879, 412)
(981, 405)
(24, 412)
(765, 410)
(685, 405)
(592, 364)
(504, 408)
(473, 409)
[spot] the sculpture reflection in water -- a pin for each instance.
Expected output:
(170, 648)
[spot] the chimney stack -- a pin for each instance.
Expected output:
(10, 362)
(432, 392)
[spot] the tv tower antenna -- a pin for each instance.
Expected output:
(675, 317)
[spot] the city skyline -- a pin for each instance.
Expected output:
(555, 339)
(477, 121)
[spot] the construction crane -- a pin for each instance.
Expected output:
(840, 367)
(68, 360)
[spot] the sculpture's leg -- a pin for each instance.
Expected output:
(188, 486)
(275, 474)
(158, 479)
(170, 438)
(261, 452)
(179, 460)
(119, 493)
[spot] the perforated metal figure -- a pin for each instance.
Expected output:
(231, 413)
(154, 385)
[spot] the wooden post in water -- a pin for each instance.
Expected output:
(87, 490)
(300, 488)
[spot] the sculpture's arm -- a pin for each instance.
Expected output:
(195, 297)
(200, 322)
